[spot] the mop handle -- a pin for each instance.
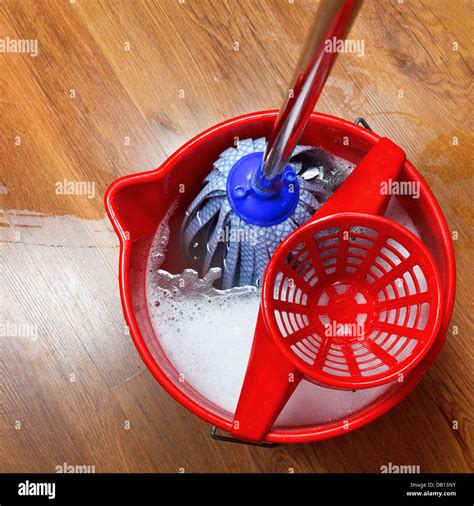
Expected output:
(332, 21)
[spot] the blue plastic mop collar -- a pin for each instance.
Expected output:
(256, 205)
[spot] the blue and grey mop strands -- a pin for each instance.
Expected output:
(215, 235)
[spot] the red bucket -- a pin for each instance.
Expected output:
(137, 205)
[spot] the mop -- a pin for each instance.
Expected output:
(258, 192)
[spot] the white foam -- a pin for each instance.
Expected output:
(207, 336)
(208, 333)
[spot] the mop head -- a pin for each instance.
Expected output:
(213, 235)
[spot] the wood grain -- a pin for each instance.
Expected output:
(116, 87)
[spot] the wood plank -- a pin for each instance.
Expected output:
(131, 109)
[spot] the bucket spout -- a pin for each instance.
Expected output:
(133, 205)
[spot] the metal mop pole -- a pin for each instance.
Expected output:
(332, 21)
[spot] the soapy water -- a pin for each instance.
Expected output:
(207, 335)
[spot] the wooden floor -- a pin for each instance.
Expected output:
(115, 88)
